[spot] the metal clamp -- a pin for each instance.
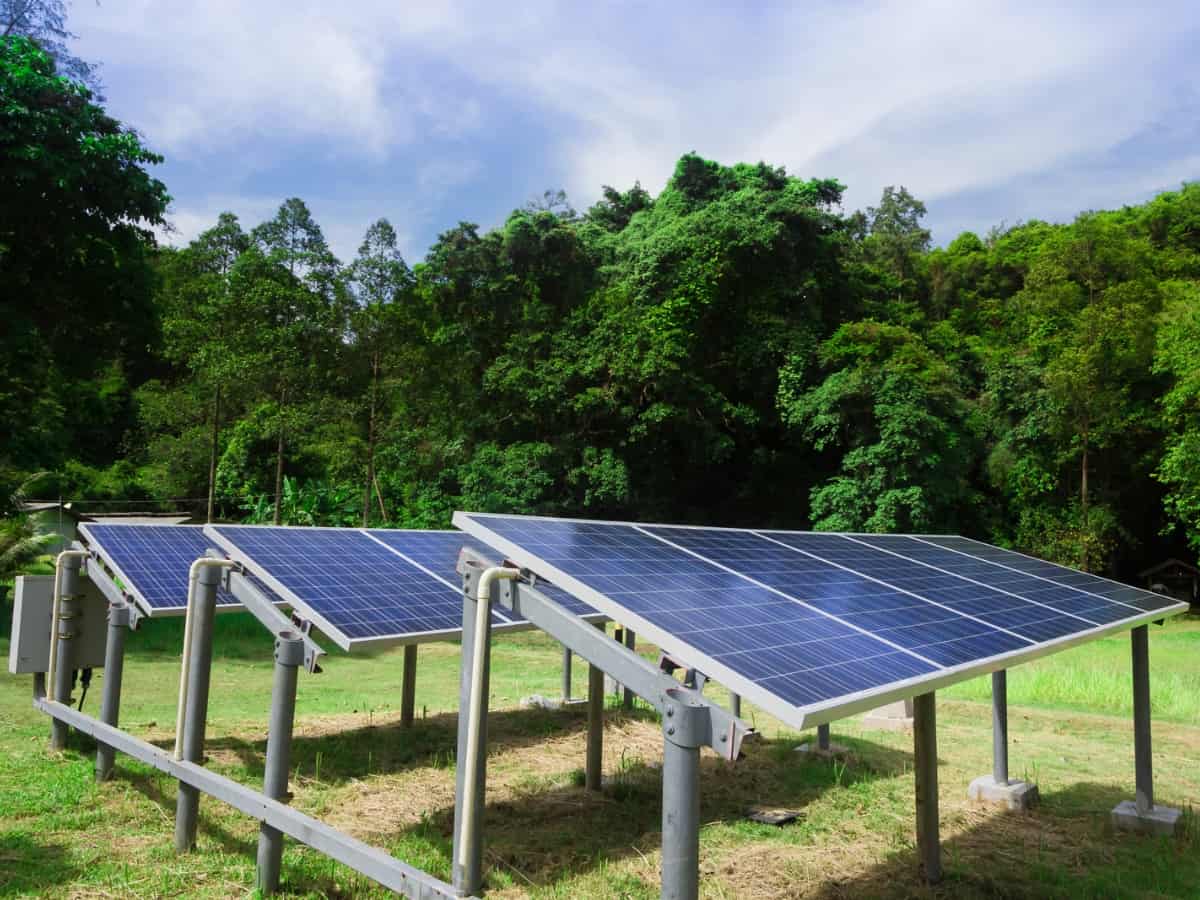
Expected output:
(718, 728)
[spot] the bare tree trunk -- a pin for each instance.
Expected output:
(379, 497)
(279, 465)
(212, 456)
(1083, 502)
(366, 519)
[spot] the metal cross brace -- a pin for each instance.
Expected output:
(376, 864)
(262, 608)
(715, 727)
(94, 569)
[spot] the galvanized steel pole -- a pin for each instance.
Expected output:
(925, 766)
(408, 690)
(1000, 727)
(1143, 763)
(566, 673)
(467, 869)
(187, 805)
(735, 704)
(68, 629)
(595, 735)
(289, 655)
(681, 798)
(823, 736)
(631, 643)
(114, 667)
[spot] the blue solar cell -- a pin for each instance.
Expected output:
(353, 587)
(1114, 591)
(977, 562)
(370, 586)
(783, 561)
(885, 558)
(437, 551)
(152, 562)
(809, 625)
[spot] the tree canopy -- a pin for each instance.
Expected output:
(737, 349)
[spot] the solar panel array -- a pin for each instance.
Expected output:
(152, 562)
(363, 586)
(813, 626)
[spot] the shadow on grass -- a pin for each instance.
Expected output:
(1064, 848)
(31, 866)
(337, 757)
(545, 828)
(148, 784)
(548, 829)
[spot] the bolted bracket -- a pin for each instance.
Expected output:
(93, 568)
(235, 580)
(289, 649)
(709, 725)
(685, 720)
(119, 615)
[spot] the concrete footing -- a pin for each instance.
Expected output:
(540, 702)
(896, 716)
(1161, 820)
(812, 749)
(1015, 795)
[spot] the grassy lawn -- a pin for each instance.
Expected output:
(63, 835)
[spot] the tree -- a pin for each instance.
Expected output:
(293, 282)
(1176, 356)
(203, 321)
(76, 207)
(295, 241)
(379, 279)
(897, 413)
(45, 23)
(895, 240)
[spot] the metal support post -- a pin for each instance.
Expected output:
(408, 691)
(925, 766)
(468, 848)
(998, 788)
(735, 704)
(69, 611)
(566, 674)
(823, 737)
(681, 797)
(595, 717)
(372, 862)
(187, 804)
(289, 656)
(627, 692)
(1000, 727)
(114, 667)
(1142, 814)
(1142, 761)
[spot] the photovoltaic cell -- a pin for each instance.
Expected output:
(813, 626)
(152, 562)
(437, 551)
(368, 586)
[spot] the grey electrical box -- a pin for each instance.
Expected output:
(29, 650)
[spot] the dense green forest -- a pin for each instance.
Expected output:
(738, 349)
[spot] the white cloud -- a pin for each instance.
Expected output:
(944, 97)
(208, 74)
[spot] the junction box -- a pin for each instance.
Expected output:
(29, 651)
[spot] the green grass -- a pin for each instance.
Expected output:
(353, 766)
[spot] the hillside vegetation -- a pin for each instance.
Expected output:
(737, 349)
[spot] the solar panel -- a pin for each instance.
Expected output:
(152, 562)
(816, 626)
(367, 587)
(437, 552)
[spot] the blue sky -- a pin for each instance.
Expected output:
(429, 113)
